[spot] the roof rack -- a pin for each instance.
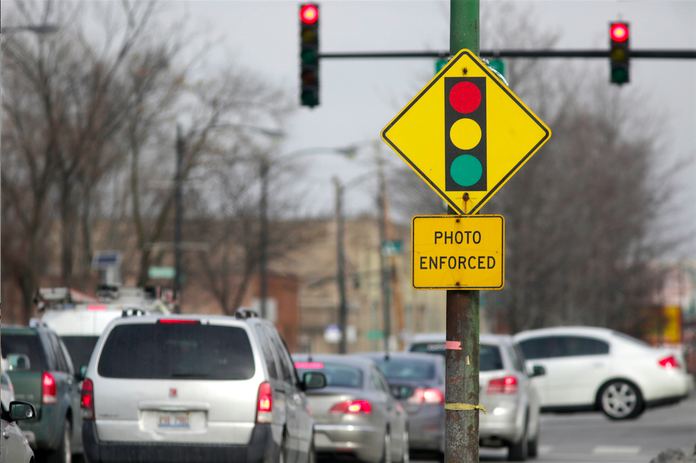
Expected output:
(245, 312)
(133, 312)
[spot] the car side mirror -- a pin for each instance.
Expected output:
(313, 380)
(21, 411)
(19, 362)
(82, 374)
(537, 370)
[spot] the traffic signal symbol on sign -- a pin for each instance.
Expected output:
(465, 134)
(463, 147)
(309, 55)
(619, 53)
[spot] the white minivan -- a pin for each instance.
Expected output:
(194, 388)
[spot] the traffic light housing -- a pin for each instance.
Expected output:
(309, 54)
(619, 52)
(466, 146)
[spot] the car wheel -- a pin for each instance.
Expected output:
(405, 453)
(620, 400)
(533, 445)
(386, 452)
(311, 453)
(63, 454)
(282, 458)
(518, 451)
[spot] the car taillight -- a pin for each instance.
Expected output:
(669, 362)
(507, 385)
(352, 406)
(48, 389)
(428, 396)
(87, 400)
(264, 409)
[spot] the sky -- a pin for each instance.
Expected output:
(359, 97)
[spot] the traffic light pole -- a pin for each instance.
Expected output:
(462, 341)
(579, 53)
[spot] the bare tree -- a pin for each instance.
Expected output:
(581, 215)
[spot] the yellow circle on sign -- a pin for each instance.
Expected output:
(465, 134)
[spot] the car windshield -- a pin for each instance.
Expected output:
(406, 368)
(429, 348)
(489, 355)
(24, 344)
(80, 348)
(337, 375)
(490, 358)
(631, 339)
(177, 351)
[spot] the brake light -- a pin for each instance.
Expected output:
(177, 320)
(669, 362)
(428, 396)
(309, 365)
(87, 400)
(507, 385)
(352, 406)
(48, 389)
(96, 307)
(264, 409)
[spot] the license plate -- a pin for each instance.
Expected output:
(173, 420)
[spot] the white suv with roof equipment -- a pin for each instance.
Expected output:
(193, 388)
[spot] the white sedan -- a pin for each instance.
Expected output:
(600, 369)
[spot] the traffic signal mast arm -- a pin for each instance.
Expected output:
(650, 54)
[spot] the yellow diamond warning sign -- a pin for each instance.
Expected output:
(466, 133)
(458, 252)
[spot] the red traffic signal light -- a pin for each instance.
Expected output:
(619, 53)
(309, 14)
(618, 32)
(309, 55)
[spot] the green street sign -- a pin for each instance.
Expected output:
(374, 335)
(498, 65)
(161, 273)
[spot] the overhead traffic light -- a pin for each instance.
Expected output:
(619, 52)
(465, 134)
(309, 54)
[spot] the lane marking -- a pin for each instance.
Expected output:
(616, 449)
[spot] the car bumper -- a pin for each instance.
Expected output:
(426, 428)
(259, 449)
(365, 442)
(502, 423)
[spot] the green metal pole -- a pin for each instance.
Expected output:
(462, 369)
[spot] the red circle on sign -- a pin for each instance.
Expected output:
(465, 97)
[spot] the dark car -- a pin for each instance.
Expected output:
(418, 382)
(42, 374)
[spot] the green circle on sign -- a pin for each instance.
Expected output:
(466, 170)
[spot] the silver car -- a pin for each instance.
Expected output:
(193, 388)
(506, 392)
(355, 414)
(15, 447)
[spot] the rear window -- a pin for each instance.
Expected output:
(489, 358)
(177, 351)
(429, 348)
(338, 375)
(406, 369)
(80, 348)
(26, 344)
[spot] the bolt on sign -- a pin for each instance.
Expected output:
(466, 133)
(458, 252)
